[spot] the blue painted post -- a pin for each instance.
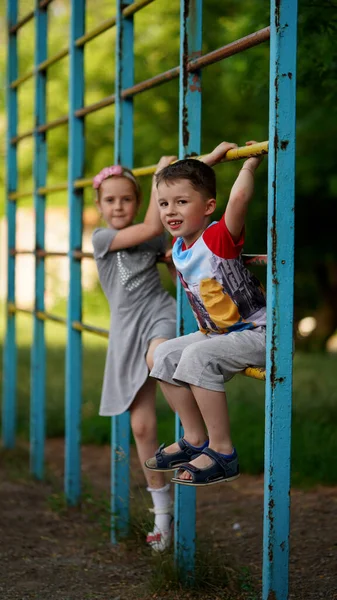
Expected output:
(280, 280)
(38, 357)
(189, 143)
(120, 426)
(10, 353)
(75, 200)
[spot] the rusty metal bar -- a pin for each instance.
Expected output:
(13, 196)
(51, 189)
(53, 59)
(40, 67)
(245, 43)
(45, 3)
(90, 328)
(50, 254)
(52, 124)
(28, 17)
(14, 84)
(109, 23)
(17, 138)
(45, 127)
(255, 259)
(249, 41)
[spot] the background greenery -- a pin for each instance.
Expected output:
(235, 107)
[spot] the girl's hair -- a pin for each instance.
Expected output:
(200, 175)
(116, 171)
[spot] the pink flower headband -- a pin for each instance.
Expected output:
(105, 173)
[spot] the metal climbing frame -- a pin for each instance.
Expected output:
(282, 34)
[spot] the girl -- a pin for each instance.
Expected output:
(142, 316)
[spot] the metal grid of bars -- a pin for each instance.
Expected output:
(278, 375)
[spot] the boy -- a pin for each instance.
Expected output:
(229, 306)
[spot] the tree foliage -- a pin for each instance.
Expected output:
(235, 107)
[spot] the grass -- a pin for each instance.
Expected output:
(314, 440)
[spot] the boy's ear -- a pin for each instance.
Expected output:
(210, 206)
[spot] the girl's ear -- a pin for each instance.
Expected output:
(210, 206)
(98, 205)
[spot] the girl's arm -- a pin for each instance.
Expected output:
(167, 259)
(151, 226)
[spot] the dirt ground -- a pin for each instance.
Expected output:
(49, 552)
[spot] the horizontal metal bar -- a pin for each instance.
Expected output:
(90, 328)
(109, 23)
(52, 124)
(249, 41)
(43, 316)
(240, 45)
(40, 67)
(41, 129)
(53, 59)
(45, 253)
(38, 253)
(235, 154)
(22, 136)
(255, 259)
(79, 255)
(51, 189)
(13, 196)
(28, 17)
(14, 84)
(45, 3)
(255, 373)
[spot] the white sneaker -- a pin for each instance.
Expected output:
(158, 539)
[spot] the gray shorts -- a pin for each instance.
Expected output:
(208, 361)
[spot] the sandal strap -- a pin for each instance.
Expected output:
(169, 460)
(219, 467)
(225, 464)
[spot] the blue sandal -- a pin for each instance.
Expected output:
(221, 469)
(163, 461)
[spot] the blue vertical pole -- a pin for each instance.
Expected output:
(10, 353)
(75, 201)
(280, 280)
(120, 426)
(38, 358)
(189, 143)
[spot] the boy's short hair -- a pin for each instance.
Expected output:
(200, 176)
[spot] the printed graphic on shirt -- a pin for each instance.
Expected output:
(224, 295)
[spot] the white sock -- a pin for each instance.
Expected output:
(162, 500)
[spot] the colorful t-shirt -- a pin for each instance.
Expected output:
(224, 295)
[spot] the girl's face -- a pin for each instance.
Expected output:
(117, 202)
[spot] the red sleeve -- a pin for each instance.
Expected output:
(220, 241)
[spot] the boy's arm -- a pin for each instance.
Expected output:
(151, 226)
(242, 190)
(240, 196)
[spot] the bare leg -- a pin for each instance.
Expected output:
(144, 428)
(214, 409)
(182, 401)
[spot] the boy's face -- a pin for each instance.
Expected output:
(184, 211)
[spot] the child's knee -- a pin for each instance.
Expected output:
(143, 428)
(160, 352)
(193, 354)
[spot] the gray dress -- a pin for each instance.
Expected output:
(141, 310)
